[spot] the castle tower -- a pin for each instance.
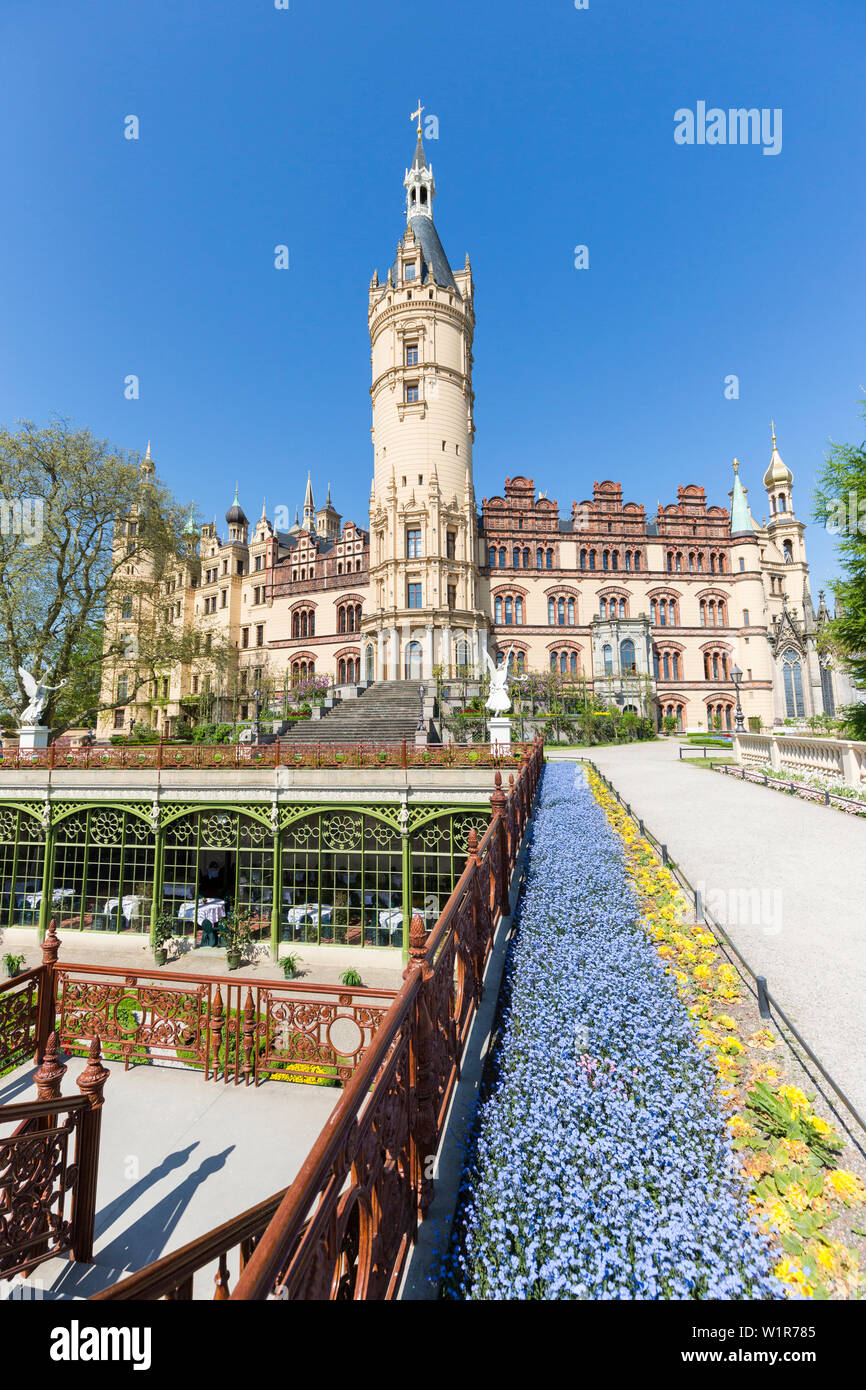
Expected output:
(783, 527)
(424, 608)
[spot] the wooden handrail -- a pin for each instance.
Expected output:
(168, 1274)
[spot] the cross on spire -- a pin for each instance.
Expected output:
(414, 114)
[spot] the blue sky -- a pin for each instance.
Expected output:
(261, 126)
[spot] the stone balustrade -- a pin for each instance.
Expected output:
(835, 759)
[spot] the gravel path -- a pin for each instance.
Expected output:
(786, 878)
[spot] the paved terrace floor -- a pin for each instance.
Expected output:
(178, 1156)
(786, 878)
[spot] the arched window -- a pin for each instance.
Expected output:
(789, 552)
(679, 562)
(497, 609)
(550, 559)
(670, 561)
(607, 655)
(592, 559)
(563, 664)
(703, 611)
(654, 612)
(676, 665)
(583, 559)
(560, 612)
(666, 667)
(622, 608)
(572, 663)
(792, 673)
(614, 560)
(691, 561)
(414, 662)
(628, 559)
(571, 612)
(341, 671)
(509, 610)
(491, 555)
(655, 662)
(663, 613)
(827, 693)
(296, 631)
(553, 661)
(637, 559)
(515, 558)
(605, 560)
(539, 559)
(782, 505)
(525, 559)
(462, 653)
(502, 557)
(626, 657)
(551, 611)
(712, 564)
(700, 564)
(602, 607)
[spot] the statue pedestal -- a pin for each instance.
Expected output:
(499, 726)
(32, 736)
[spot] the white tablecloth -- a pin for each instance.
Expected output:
(130, 907)
(209, 910)
(315, 913)
(57, 896)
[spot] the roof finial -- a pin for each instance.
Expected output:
(736, 465)
(773, 432)
(413, 114)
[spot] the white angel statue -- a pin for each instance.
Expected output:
(498, 701)
(37, 695)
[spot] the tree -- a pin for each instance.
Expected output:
(65, 574)
(841, 489)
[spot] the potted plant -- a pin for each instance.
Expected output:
(163, 933)
(12, 964)
(237, 931)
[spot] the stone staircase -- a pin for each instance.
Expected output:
(387, 712)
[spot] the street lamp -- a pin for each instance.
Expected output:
(420, 709)
(257, 696)
(739, 723)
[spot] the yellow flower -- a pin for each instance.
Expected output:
(820, 1126)
(795, 1097)
(725, 1021)
(791, 1273)
(797, 1196)
(762, 1038)
(848, 1186)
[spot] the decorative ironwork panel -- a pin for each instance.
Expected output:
(135, 1022)
(308, 1040)
(35, 1178)
(19, 1011)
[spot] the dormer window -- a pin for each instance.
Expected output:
(409, 271)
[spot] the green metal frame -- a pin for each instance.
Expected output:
(403, 821)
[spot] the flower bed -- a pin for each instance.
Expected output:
(601, 1167)
(788, 1154)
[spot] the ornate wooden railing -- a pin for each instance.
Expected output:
(344, 1227)
(250, 756)
(237, 1031)
(22, 1003)
(49, 1166)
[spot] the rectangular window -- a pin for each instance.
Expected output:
(412, 393)
(450, 545)
(409, 271)
(452, 595)
(413, 544)
(260, 636)
(195, 685)
(411, 354)
(122, 687)
(127, 608)
(414, 596)
(742, 563)
(258, 562)
(745, 617)
(223, 596)
(119, 716)
(245, 637)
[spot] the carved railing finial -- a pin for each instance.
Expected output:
(51, 1072)
(92, 1080)
(51, 944)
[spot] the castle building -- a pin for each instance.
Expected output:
(652, 613)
